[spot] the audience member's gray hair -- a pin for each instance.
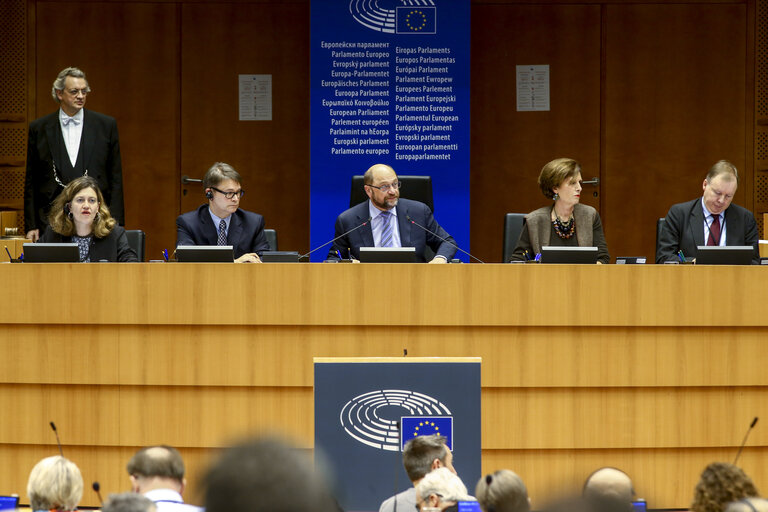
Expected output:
(443, 483)
(502, 491)
(128, 502)
(55, 483)
(58, 84)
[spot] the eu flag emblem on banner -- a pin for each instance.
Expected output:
(413, 426)
(416, 20)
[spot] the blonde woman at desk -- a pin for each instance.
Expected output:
(79, 215)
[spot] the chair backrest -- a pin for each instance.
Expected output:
(136, 239)
(418, 188)
(659, 229)
(271, 235)
(513, 226)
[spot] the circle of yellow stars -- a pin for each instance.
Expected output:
(415, 13)
(427, 424)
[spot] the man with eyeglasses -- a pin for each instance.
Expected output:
(221, 221)
(709, 220)
(393, 222)
(67, 144)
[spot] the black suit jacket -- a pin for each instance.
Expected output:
(684, 230)
(99, 154)
(410, 235)
(113, 247)
(246, 231)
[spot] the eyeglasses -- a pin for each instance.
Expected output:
(74, 92)
(230, 195)
(387, 187)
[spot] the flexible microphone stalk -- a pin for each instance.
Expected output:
(53, 426)
(744, 442)
(340, 236)
(97, 488)
(442, 239)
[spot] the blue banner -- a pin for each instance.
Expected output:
(390, 85)
(364, 410)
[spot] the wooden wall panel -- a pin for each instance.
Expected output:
(509, 148)
(675, 104)
(219, 42)
(129, 52)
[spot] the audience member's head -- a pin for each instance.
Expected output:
(748, 505)
(128, 502)
(423, 454)
(609, 490)
(440, 489)
(720, 484)
(156, 467)
(55, 483)
(266, 475)
(502, 491)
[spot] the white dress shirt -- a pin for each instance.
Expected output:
(377, 225)
(72, 131)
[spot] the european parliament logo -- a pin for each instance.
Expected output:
(414, 426)
(411, 17)
(416, 20)
(377, 418)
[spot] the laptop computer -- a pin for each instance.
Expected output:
(569, 254)
(9, 502)
(388, 255)
(51, 253)
(726, 255)
(205, 254)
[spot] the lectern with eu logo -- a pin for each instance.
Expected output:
(366, 409)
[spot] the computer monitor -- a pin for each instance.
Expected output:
(9, 502)
(727, 255)
(205, 254)
(569, 254)
(388, 255)
(51, 253)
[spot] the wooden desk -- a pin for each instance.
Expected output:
(583, 366)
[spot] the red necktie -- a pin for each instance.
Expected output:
(714, 231)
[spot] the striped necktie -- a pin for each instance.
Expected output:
(386, 229)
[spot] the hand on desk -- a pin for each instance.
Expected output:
(251, 257)
(34, 235)
(438, 260)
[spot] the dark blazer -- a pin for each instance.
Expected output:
(99, 154)
(113, 247)
(684, 230)
(246, 231)
(410, 235)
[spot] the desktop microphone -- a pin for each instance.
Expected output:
(751, 426)
(97, 488)
(331, 241)
(53, 426)
(442, 239)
